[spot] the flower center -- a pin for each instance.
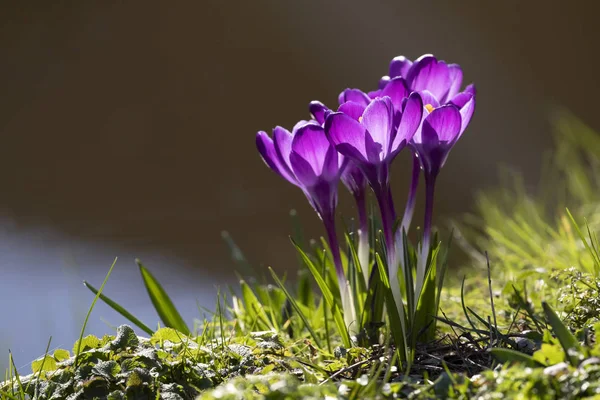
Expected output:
(429, 107)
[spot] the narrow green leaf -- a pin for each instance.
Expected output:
(295, 306)
(396, 325)
(255, 308)
(87, 317)
(162, 303)
(332, 301)
(325, 289)
(118, 308)
(512, 356)
(568, 342)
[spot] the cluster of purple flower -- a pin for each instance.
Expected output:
(419, 105)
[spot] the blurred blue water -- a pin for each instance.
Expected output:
(41, 291)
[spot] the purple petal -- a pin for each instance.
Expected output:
(378, 119)
(383, 82)
(304, 171)
(317, 110)
(300, 124)
(353, 178)
(461, 99)
(399, 66)
(352, 109)
(266, 149)
(373, 94)
(282, 139)
(429, 99)
(456, 77)
(427, 73)
(471, 89)
(347, 135)
(465, 101)
(410, 121)
(397, 90)
(354, 95)
(442, 125)
(312, 145)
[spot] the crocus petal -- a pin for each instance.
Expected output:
(443, 124)
(266, 148)
(383, 82)
(347, 135)
(303, 170)
(429, 99)
(456, 77)
(399, 66)
(412, 114)
(378, 119)
(397, 90)
(353, 178)
(282, 139)
(427, 73)
(317, 110)
(352, 109)
(465, 102)
(471, 89)
(300, 124)
(312, 145)
(355, 95)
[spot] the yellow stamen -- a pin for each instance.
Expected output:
(360, 119)
(429, 107)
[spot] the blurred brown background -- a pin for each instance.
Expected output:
(132, 124)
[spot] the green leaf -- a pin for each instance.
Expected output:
(568, 342)
(424, 319)
(162, 303)
(61, 355)
(87, 343)
(163, 334)
(295, 307)
(549, 354)
(512, 356)
(396, 325)
(118, 308)
(254, 308)
(125, 338)
(77, 349)
(333, 302)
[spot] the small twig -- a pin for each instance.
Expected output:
(348, 368)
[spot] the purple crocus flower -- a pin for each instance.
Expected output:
(354, 180)
(307, 159)
(371, 137)
(447, 115)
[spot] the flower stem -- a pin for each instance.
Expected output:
(412, 194)
(347, 306)
(388, 218)
(363, 233)
(426, 243)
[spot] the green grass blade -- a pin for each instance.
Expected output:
(332, 301)
(162, 303)
(568, 342)
(39, 373)
(295, 306)
(87, 317)
(593, 254)
(325, 289)
(118, 308)
(254, 308)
